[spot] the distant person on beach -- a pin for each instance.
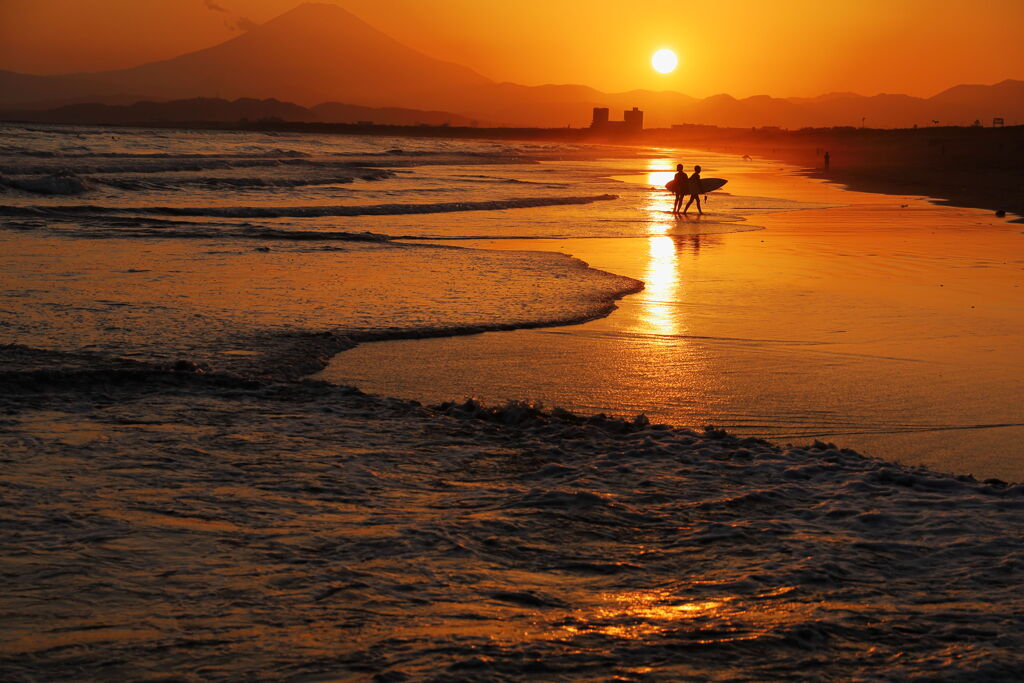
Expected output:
(828, 157)
(694, 191)
(682, 185)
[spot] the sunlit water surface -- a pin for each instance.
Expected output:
(176, 505)
(883, 323)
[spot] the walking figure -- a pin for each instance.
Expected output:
(694, 191)
(681, 186)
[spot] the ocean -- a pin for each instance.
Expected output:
(363, 408)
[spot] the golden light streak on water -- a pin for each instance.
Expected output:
(636, 615)
(659, 172)
(662, 291)
(661, 277)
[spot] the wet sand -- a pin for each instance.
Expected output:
(966, 167)
(886, 324)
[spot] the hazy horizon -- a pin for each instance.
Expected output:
(606, 46)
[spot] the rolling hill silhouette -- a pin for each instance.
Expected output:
(218, 110)
(314, 53)
(319, 53)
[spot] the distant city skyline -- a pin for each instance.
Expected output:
(785, 49)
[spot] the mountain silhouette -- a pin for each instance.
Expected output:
(314, 53)
(217, 110)
(961, 105)
(24, 90)
(1007, 95)
(319, 53)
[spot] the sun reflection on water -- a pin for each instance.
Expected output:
(661, 278)
(662, 290)
(659, 173)
(637, 615)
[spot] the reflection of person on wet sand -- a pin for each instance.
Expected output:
(689, 243)
(681, 185)
(694, 191)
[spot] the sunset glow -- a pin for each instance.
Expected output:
(576, 340)
(744, 48)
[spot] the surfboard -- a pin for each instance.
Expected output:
(706, 185)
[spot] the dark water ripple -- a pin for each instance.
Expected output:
(227, 529)
(199, 514)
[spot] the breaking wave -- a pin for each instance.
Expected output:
(215, 182)
(307, 211)
(162, 164)
(61, 183)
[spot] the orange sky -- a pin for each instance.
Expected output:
(781, 48)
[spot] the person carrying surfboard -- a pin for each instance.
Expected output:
(695, 188)
(681, 184)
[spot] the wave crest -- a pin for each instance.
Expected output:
(61, 183)
(309, 211)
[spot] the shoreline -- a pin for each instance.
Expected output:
(968, 168)
(31, 377)
(424, 385)
(979, 168)
(895, 183)
(397, 539)
(308, 350)
(165, 518)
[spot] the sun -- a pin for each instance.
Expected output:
(664, 61)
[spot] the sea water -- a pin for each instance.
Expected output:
(792, 310)
(178, 502)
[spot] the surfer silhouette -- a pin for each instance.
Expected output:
(694, 191)
(681, 184)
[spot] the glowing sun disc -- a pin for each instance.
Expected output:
(664, 61)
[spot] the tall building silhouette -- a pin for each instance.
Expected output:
(632, 121)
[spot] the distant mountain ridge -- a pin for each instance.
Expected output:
(216, 110)
(315, 53)
(961, 105)
(320, 53)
